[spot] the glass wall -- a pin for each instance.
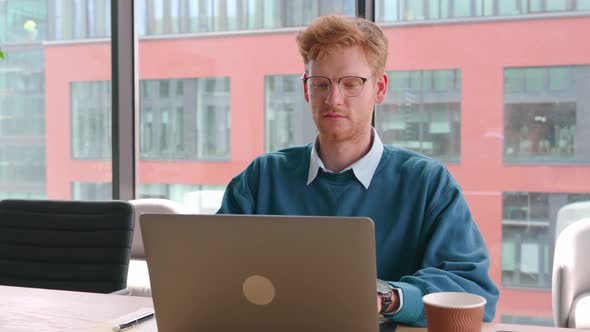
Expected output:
(421, 10)
(288, 122)
(546, 114)
(184, 119)
(212, 100)
(79, 19)
(91, 191)
(44, 97)
(159, 17)
(529, 230)
(422, 112)
(504, 104)
(22, 118)
(91, 119)
(200, 199)
(23, 21)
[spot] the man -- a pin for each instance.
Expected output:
(426, 239)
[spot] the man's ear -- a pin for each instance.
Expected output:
(382, 84)
(304, 82)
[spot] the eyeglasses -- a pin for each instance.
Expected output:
(320, 86)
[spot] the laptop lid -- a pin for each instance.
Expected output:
(261, 273)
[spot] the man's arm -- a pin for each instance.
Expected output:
(238, 197)
(455, 259)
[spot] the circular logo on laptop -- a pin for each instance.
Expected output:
(258, 290)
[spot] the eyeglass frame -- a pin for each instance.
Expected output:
(364, 79)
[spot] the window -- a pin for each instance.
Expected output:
(22, 167)
(557, 5)
(79, 19)
(91, 191)
(184, 119)
(91, 120)
(416, 10)
(22, 100)
(526, 320)
(288, 121)
(528, 233)
(212, 122)
(23, 21)
(461, 8)
(518, 123)
(422, 112)
(509, 7)
(54, 117)
(161, 17)
(200, 199)
(22, 119)
(544, 114)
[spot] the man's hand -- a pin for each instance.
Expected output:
(394, 302)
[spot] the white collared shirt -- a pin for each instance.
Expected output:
(363, 169)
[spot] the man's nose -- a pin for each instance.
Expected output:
(335, 96)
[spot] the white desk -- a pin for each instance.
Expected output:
(42, 310)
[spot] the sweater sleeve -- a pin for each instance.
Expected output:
(455, 259)
(238, 197)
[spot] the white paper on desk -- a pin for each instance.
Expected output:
(147, 326)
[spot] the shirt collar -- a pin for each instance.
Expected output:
(363, 169)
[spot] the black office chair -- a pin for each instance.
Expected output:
(68, 245)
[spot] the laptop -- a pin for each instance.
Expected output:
(258, 273)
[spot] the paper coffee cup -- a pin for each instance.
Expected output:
(453, 312)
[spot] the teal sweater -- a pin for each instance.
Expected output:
(426, 240)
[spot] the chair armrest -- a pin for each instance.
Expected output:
(580, 313)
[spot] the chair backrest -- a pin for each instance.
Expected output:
(571, 269)
(569, 214)
(151, 205)
(70, 245)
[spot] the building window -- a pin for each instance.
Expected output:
(23, 21)
(22, 195)
(508, 7)
(92, 191)
(22, 166)
(416, 10)
(22, 123)
(91, 119)
(200, 199)
(545, 117)
(527, 320)
(79, 19)
(158, 17)
(185, 119)
(288, 121)
(528, 233)
(22, 94)
(422, 112)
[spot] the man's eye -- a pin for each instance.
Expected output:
(351, 85)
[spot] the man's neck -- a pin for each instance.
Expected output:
(337, 155)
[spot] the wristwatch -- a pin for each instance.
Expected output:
(386, 292)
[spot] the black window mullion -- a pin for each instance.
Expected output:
(124, 99)
(366, 9)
